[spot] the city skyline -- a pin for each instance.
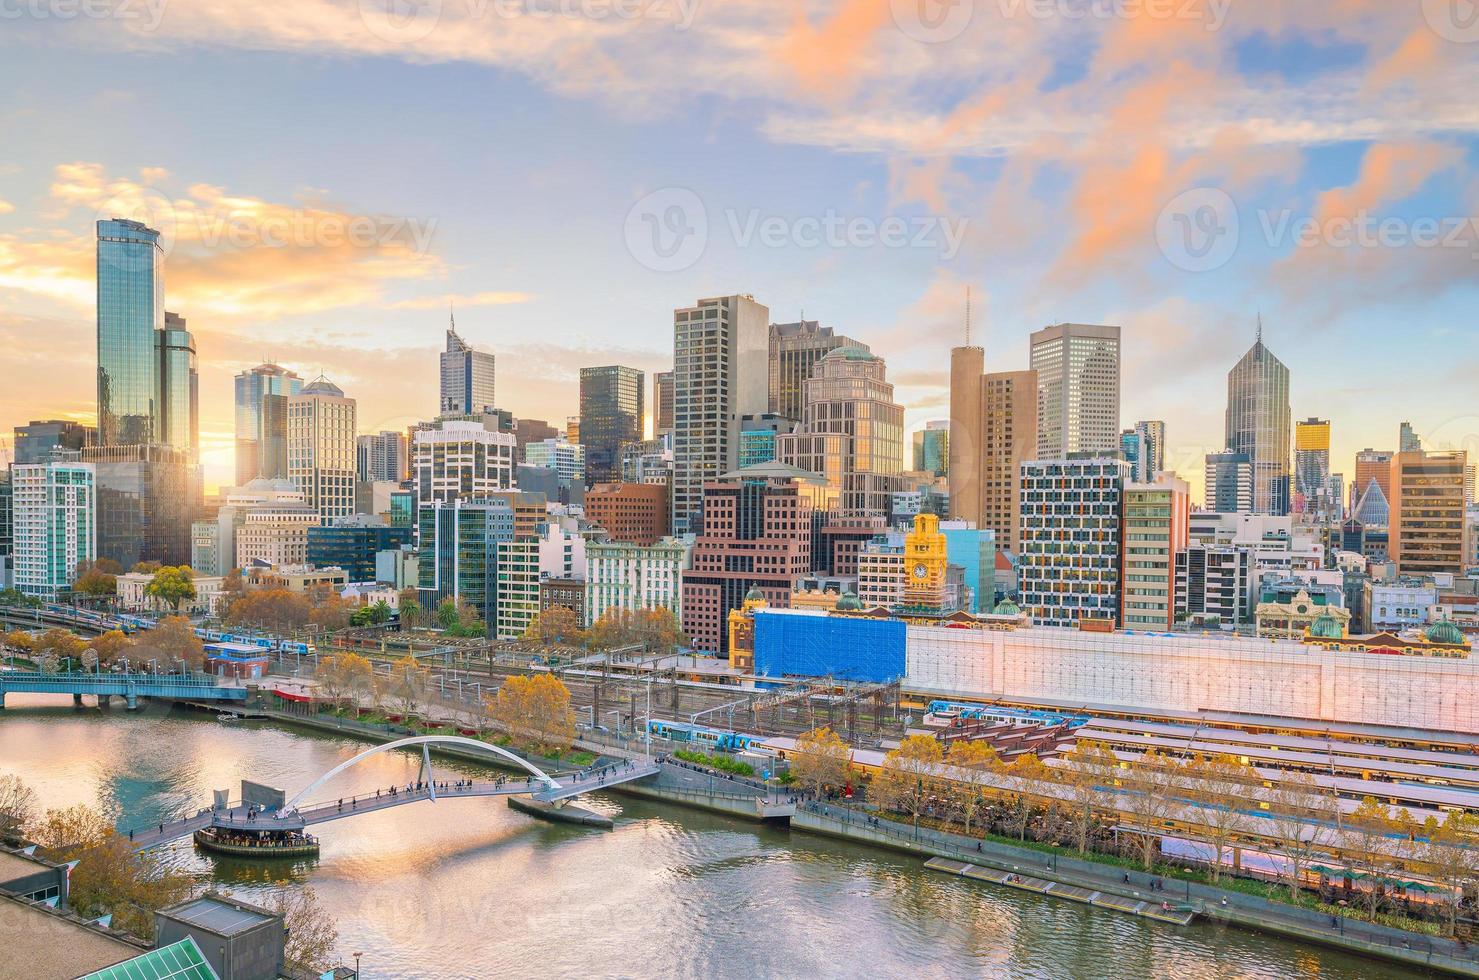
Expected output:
(1348, 132)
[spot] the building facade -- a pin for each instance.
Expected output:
(146, 499)
(382, 458)
(634, 513)
(352, 543)
(35, 441)
(53, 504)
(795, 349)
(467, 377)
(1078, 389)
(611, 415)
(261, 421)
(1312, 491)
(566, 458)
(1428, 526)
(662, 403)
(1229, 483)
(932, 448)
(130, 312)
(461, 457)
(1072, 513)
(1156, 532)
(179, 387)
(993, 430)
(322, 453)
(1259, 426)
(629, 577)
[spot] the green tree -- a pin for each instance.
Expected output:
(172, 585)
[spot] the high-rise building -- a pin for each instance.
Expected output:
(1078, 389)
(572, 428)
(130, 310)
(611, 415)
(720, 374)
(566, 458)
(464, 458)
(146, 498)
(756, 534)
(1408, 440)
(1469, 481)
(219, 537)
(533, 430)
(993, 430)
(1152, 435)
(1156, 532)
(1372, 464)
(795, 349)
(321, 448)
(851, 431)
(625, 576)
(352, 543)
(636, 513)
(467, 377)
(261, 422)
(1229, 483)
(34, 442)
(932, 448)
(1134, 452)
(1258, 424)
(1427, 528)
(179, 387)
(1312, 466)
(383, 457)
(468, 544)
(757, 437)
(1072, 514)
(662, 403)
(53, 507)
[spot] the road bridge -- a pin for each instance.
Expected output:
(130, 686)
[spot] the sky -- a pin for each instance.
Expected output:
(331, 175)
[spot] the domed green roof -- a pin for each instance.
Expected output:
(1445, 631)
(849, 602)
(1006, 607)
(851, 354)
(754, 595)
(1326, 627)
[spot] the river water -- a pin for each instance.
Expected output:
(469, 888)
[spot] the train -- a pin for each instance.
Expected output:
(950, 710)
(130, 624)
(702, 735)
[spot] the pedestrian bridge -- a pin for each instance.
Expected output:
(130, 686)
(295, 814)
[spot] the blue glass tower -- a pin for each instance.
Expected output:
(130, 278)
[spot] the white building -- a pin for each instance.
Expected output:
(274, 533)
(562, 549)
(566, 458)
(53, 507)
(517, 589)
(1395, 606)
(631, 577)
(1069, 566)
(1078, 389)
(131, 586)
(881, 572)
(322, 452)
(461, 457)
(213, 542)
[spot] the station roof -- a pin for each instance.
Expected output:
(177, 961)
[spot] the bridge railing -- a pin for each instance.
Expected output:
(197, 681)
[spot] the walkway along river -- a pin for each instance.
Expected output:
(469, 888)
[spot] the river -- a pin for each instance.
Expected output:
(469, 888)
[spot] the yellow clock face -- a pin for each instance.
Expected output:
(921, 570)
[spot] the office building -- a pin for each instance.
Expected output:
(1132, 451)
(461, 457)
(973, 550)
(273, 533)
(130, 312)
(662, 403)
(881, 572)
(650, 461)
(484, 551)
(205, 547)
(634, 513)
(382, 458)
(572, 428)
(1372, 465)
(146, 497)
(1427, 524)
(611, 415)
(795, 349)
(561, 548)
(533, 430)
(213, 542)
(851, 431)
(1156, 532)
(1153, 437)
(52, 505)
(628, 577)
(1214, 585)
(993, 430)
(179, 387)
(756, 534)
(1407, 439)
(1072, 513)
(321, 447)
(566, 458)
(261, 421)
(35, 441)
(757, 437)
(1258, 424)
(932, 448)
(467, 377)
(720, 374)
(351, 543)
(1229, 483)
(1312, 468)
(1078, 389)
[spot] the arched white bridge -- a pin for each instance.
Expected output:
(295, 814)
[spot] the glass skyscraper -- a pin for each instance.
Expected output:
(611, 411)
(261, 421)
(179, 387)
(467, 377)
(1259, 424)
(130, 278)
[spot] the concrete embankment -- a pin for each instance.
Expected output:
(560, 813)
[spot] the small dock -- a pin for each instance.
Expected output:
(1179, 915)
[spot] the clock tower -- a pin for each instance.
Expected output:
(924, 564)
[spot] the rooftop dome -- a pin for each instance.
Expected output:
(1445, 631)
(1326, 627)
(849, 602)
(850, 354)
(754, 595)
(1006, 607)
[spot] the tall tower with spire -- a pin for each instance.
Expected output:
(1260, 425)
(467, 375)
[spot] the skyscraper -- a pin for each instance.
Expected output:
(662, 403)
(1427, 512)
(1072, 528)
(611, 413)
(1258, 424)
(720, 373)
(1229, 483)
(321, 448)
(461, 458)
(1153, 435)
(1078, 389)
(993, 430)
(467, 377)
(179, 387)
(1312, 465)
(851, 432)
(795, 349)
(53, 508)
(932, 447)
(1408, 440)
(261, 421)
(146, 497)
(130, 305)
(382, 457)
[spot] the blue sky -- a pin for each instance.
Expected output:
(499, 159)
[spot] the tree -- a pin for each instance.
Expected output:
(15, 597)
(111, 647)
(57, 644)
(172, 585)
(1369, 848)
(657, 629)
(327, 609)
(1088, 772)
(535, 711)
(458, 618)
(411, 611)
(311, 930)
(555, 625)
(109, 875)
(966, 792)
(1302, 816)
(277, 610)
(409, 685)
(20, 640)
(1219, 788)
(909, 774)
(1028, 771)
(172, 640)
(17, 805)
(346, 675)
(1152, 790)
(820, 761)
(146, 567)
(97, 579)
(1451, 859)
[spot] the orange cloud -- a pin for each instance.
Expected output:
(827, 59)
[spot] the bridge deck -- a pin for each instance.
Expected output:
(237, 817)
(194, 687)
